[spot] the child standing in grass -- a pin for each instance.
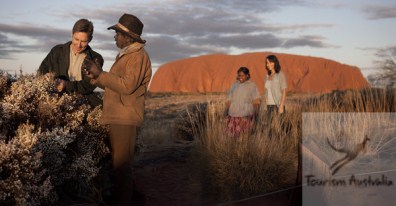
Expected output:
(242, 106)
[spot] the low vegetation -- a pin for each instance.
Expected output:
(51, 146)
(253, 164)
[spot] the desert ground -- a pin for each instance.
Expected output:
(162, 171)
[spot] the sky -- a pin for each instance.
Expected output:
(348, 31)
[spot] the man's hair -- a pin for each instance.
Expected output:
(83, 25)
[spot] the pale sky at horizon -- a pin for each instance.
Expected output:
(349, 31)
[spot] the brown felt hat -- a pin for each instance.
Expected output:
(131, 26)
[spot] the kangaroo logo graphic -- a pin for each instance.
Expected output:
(349, 154)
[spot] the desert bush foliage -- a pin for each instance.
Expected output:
(252, 164)
(364, 100)
(5, 82)
(51, 145)
(255, 163)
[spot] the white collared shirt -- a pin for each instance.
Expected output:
(75, 64)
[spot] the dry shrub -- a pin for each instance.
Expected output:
(192, 118)
(365, 100)
(50, 145)
(255, 163)
(252, 164)
(5, 83)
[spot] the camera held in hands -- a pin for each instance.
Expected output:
(87, 65)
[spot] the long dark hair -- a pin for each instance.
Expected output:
(274, 59)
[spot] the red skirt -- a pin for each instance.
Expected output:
(237, 125)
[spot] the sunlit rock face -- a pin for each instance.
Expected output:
(216, 73)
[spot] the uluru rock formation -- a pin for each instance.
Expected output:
(216, 73)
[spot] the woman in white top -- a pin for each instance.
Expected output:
(243, 102)
(275, 93)
(275, 86)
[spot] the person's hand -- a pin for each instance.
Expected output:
(60, 85)
(225, 114)
(92, 69)
(281, 109)
(48, 76)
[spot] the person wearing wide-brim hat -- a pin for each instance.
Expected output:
(125, 86)
(131, 26)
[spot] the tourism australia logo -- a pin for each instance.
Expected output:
(349, 154)
(348, 158)
(352, 180)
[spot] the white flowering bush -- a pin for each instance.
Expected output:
(51, 145)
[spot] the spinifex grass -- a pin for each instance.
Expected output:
(255, 163)
(247, 165)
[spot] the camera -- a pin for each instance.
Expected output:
(86, 66)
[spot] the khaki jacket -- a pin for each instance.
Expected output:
(125, 87)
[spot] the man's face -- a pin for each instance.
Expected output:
(122, 40)
(79, 42)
